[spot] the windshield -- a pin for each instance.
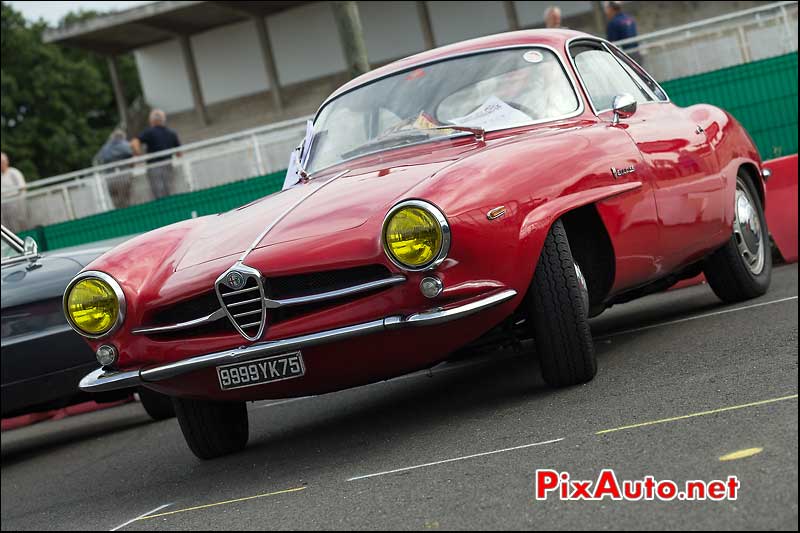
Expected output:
(491, 91)
(8, 251)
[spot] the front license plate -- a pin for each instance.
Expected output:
(260, 371)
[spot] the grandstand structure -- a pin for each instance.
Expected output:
(239, 80)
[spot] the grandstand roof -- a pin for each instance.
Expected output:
(152, 23)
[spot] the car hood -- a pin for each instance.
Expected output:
(44, 279)
(321, 206)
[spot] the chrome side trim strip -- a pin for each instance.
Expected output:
(101, 380)
(216, 315)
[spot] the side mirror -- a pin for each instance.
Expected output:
(624, 106)
(31, 249)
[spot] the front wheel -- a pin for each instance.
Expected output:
(559, 311)
(158, 406)
(742, 269)
(212, 429)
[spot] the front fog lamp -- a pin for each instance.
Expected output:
(416, 235)
(94, 304)
(106, 355)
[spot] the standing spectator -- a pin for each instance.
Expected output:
(117, 148)
(552, 17)
(157, 137)
(621, 26)
(12, 191)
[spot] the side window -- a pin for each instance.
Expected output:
(641, 76)
(604, 77)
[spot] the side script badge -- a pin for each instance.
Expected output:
(619, 172)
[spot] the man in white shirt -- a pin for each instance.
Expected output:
(12, 190)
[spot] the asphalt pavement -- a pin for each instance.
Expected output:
(687, 388)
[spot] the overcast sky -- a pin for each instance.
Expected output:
(52, 12)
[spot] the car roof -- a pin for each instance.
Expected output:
(554, 38)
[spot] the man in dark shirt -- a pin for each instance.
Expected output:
(621, 26)
(157, 137)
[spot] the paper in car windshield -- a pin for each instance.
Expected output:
(493, 114)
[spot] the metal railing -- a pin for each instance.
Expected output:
(702, 46)
(200, 165)
(711, 44)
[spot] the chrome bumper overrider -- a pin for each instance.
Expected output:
(101, 380)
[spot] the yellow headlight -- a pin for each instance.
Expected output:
(413, 236)
(92, 306)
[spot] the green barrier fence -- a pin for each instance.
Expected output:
(155, 214)
(762, 95)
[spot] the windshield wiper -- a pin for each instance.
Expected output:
(478, 133)
(390, 140)
(411, 136)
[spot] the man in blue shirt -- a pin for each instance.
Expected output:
(620, 25)
(157, 137)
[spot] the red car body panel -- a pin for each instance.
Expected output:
(676, 207)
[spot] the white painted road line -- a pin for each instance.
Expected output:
(141, 516)
(280, 402)
(395, 471)
(697, 317)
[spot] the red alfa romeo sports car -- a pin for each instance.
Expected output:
(516, 184)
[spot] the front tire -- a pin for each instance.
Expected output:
(158, 406)
(742, 269)
(212, 429)
(558, 299)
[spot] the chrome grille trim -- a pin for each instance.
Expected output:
(251, 331)
(242, 291)
(246, 313)
(216, 315)
(341, 293)
(273, 304)
(243, 302)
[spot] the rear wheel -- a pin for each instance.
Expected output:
(158, 406)
(742, 269)
(212, 429)
(559, 302)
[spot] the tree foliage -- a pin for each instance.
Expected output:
(57, 104)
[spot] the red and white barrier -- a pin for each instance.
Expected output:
(58, 414)
(782, 205)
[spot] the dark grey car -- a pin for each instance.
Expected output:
(43, 359)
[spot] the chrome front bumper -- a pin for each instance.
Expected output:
(102, 380)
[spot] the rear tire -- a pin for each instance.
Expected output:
(742, 269)
(559, 314)
(158, 406)
(212, 429)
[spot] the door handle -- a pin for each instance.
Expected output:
(699, 129)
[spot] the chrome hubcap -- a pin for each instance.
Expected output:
(747, 230)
